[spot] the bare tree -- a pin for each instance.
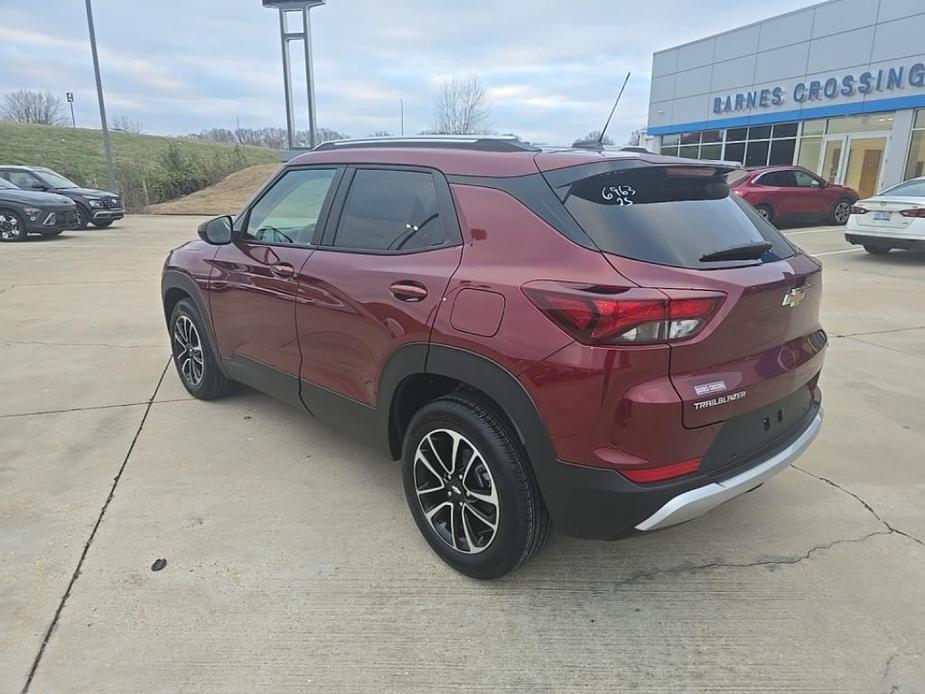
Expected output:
(25, 106)
(594, 136)
(380, 133)
(462, 108)
(124, 124)
(635, 138)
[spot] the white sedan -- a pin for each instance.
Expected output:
(893, 219)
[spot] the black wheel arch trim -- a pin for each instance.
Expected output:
(175, 279)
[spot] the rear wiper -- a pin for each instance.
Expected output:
(747, 251)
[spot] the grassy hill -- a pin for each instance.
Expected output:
(149, 168)
(225, 197)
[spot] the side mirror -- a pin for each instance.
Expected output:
(38, 186)
(216, 231)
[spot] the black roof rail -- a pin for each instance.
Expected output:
(480, 143)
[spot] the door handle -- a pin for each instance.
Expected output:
(407, 290)
(282, 269)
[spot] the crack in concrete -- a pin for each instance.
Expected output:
(786, 561)
(77, 344)
(96, 527)
(862, 333)
(886, 347)
(894, 688)
(870, 509)
(90, 408)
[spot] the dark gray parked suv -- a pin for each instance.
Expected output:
(97, 207)
(24, 212)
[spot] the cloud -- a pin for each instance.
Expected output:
(551, 69)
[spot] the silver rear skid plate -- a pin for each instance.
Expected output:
(696, 502)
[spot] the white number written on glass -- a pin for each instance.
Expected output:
(618, 195)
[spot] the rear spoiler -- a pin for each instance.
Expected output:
(557, 178)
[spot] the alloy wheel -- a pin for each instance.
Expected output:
(842, 212)
(456, 491)
(10, 229)
(763, 211)
(188, 350)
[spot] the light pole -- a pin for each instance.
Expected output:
(70, 102)
(291, 7)
(107, 146)
(402, 102)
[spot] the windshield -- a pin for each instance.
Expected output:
(909, 189)
(7, 185)
(679, 216)
(55, 180)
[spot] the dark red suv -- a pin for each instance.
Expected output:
(792, 194)
(606, 343)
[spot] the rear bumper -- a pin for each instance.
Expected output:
(909, 242)
(600, 504)
(696, 502)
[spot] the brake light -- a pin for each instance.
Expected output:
(607, 315)
(858, 210)
(914, 212)
(659, 474)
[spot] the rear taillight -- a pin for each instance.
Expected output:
(914, 212)
(596, 315)
(858, 210)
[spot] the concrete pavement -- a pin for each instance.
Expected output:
(293, 564)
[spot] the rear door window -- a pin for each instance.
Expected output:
(670, 216)
(388, 210)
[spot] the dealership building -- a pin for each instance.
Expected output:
(838, 87)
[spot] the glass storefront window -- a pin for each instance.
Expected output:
(669, 150)
(736, 134)
(915, 163)
(782, 151)
(809, 152)
(785, 130)
(688, 151)
(670, 139)
(690, 138)
(735, 151)
(814, 127)
(756, 154)
(760, 132)
(859, 124)
(711, 151)
(712, 136)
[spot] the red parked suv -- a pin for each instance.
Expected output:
(792, 194)
(606, 343)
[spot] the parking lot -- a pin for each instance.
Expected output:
(292, 563)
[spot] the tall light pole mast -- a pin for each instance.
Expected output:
(296, 8)
(107, 146)
(402, 102)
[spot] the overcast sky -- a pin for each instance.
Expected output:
(551, 69)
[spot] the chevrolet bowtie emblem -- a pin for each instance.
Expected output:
(793, 297)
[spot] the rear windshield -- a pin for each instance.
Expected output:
(671, 216)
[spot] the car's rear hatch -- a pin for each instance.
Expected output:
(676, 228)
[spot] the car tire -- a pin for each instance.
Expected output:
(102, 225)
(840, 212)
(12, 227)
(766, 212)
(83, 217)
(877, 250)
(193, 354)
(464, 468)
